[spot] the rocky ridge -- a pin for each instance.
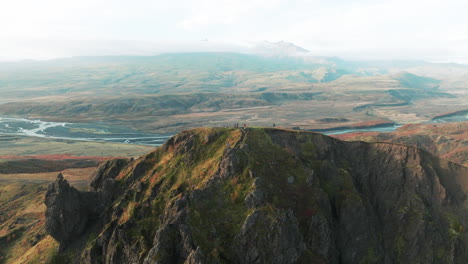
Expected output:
(265, 196)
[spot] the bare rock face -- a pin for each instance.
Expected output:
(107, 170)
(173, 242)
(256, 197)
(70, 211)
(196, 257)
(67, 211)
(266, 238)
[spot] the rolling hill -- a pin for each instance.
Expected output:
(172, 92)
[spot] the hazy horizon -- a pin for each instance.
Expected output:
(435, 31)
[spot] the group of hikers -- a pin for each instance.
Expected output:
(236, 125)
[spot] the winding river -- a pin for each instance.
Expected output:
(106, 133)
(79, 131)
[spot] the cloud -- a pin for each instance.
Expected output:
(387, 29)
(356, 29)
(221, 13)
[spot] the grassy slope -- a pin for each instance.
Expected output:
(22, 234)
(31, 146)
(23, 238)
(22, 223)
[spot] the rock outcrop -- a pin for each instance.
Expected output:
(269, 238)
(267, 196)
(69, 211)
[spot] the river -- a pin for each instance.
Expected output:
(79, 131)
(100, 132)
(457, 118)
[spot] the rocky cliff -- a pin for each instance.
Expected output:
(265, 196)
(446, 140)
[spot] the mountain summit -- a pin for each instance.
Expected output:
(265, 196)
(279, 49)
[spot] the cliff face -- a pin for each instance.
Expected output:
(445, 140)
(266, 196)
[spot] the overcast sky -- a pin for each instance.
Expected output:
(358, 29)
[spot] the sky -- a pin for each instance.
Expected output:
(430, 30)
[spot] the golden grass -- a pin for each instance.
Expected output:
(74, 176)
(42, 252)
(30, 146)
